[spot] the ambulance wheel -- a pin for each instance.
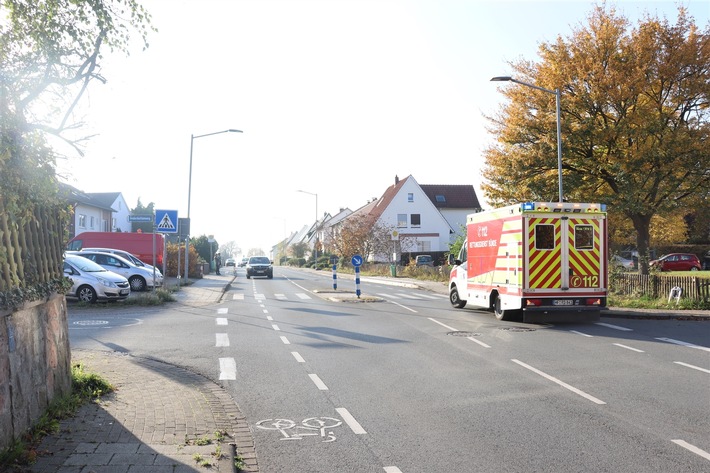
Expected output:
(455, 299)
(500, 313)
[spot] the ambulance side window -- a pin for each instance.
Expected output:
(463, 253)
(544, 237)
(584, 237)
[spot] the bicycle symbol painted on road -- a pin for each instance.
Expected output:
(313, 426)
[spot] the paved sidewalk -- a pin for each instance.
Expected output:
(161, 418)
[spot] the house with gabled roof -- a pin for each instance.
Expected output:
(95, 212)
(426, 217)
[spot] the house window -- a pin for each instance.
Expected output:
(113, 222)
(423, 246)
(91, 222)
(401, 220)
(441, 198)
(416, 220)
(410, 197)
(82, 221)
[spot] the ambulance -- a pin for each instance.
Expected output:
(536, 261)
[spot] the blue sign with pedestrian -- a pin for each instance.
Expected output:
(166, 221)
(356, 261)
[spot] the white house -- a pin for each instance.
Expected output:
(96, 212)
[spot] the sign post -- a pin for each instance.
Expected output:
(357, 261)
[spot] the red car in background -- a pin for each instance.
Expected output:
(677, 262)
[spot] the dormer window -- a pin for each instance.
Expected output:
(410, 197)
(441, 198)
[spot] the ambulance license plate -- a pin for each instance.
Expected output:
(562, 302)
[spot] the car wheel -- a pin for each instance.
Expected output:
(694, 268)
(455, 298)
(137, 283)
(248, 276)
(86, 294)
(499, 312)
(270, 275)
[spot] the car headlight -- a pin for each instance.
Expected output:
(106, 282)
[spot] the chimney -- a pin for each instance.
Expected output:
(396, 179)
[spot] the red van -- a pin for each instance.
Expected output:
(139, 244)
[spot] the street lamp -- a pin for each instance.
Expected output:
(315, 243)
(556, 93)
(189, 193)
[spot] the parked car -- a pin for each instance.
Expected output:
(259, 266)
(677, 262)
(230, 262)
(124, 254)
(243, 262)
(139, 277)
(91, 282)
(424, 260)
(625, 264)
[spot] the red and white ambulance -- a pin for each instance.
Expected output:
(544, 261)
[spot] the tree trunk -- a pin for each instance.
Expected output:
(642, 225)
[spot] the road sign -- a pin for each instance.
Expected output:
(166, 221)
(140, 218)
(356, 261)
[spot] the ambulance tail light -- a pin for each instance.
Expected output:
(533, 302)
(596, 301)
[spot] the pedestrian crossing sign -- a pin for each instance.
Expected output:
(166, 221)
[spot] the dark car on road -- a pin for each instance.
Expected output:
(259, 266)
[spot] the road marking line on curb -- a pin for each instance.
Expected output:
(561, 383)
(237, 297)
(222, 310)
(392, 469)
(222, 340)
(275, 327)
(317, 381)
(443, 325)
(628, 348)
(685, 344)
(692, 366)
(582, 334)
(227, 368)
(615, 327)
(221, 321)
(350, 420)
(692, 448)
(298, 357)
(285, 340)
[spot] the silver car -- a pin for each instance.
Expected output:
(139, 277)
(124, 254)
(91, 282)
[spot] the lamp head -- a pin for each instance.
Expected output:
(502, 79)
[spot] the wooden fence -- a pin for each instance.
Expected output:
(660, 286)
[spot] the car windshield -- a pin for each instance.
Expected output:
(259, 260)
(85, 264)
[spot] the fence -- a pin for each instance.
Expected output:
(658, 286)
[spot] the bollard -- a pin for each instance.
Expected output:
(357, 281)
(335, 277)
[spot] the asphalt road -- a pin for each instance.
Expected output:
(410, 384)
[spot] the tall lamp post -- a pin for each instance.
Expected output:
(189, 193)
(315, 243)
(556, 93)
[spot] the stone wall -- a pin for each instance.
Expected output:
(35, 364)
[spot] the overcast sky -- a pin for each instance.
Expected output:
(334, 97)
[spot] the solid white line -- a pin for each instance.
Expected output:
(582, 334)
(628, 348)
(685, 344)
(237, 297)
(615, 327)
(479, 342)
(221, 321)
(692, 366)
(298, 357)
(276, 327)
(222, 340)
(392, 469)
(561, 383)
(227, 368)
(222, 310)
(390, 296)
(350, 420)
(443, 325)
(402, 306)
(408, 296)
(320, 384)
(692, 448)
(285, 340)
